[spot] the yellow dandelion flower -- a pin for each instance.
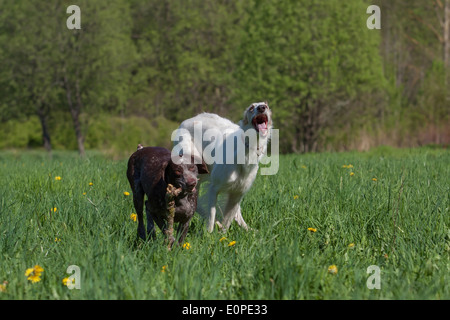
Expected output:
(332, 269)
(91, 184)
(303, 167)
(133, 216)
(28, 272)
(312, 229)
(186, 246)
(84, 193)
(34, 278)
(164, 268)
(222, 239)
(57, 178)
(295, 197)
(351, 245)
(55, 209)
(352, 174)
(34, 274)
(232, 243)
(3, 286)
(57, 239)
(344, 166)
(374, 179)
(38, 269)
(126, 193)
(66, 281)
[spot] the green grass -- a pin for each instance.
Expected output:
(400, 222)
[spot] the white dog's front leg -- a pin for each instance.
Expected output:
(212, 199)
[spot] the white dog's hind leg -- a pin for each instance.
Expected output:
(212, 199)
(239, 219)
(231, 209)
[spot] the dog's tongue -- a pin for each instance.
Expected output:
(262, 127)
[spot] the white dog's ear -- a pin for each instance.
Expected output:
(249, 109)
(244, 119)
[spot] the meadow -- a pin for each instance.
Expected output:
(347, 211)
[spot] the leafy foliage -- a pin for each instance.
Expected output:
(332, 83)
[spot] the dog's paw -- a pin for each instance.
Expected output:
(220, 227)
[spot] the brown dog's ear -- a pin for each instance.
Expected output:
(202, 167)
(167, 170)
(171, 171)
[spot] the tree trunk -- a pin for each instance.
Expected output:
(447, 42)
(45, 133)
(310, 126)
(75, 113)
(78, 131)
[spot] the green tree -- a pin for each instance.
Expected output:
(49, 67)
(186, 50)
(312, 60)
(96, 61)
(29, 74)
(415, 46)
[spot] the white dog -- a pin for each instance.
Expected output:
(234, 176)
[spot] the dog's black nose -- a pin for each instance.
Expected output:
(261, 108)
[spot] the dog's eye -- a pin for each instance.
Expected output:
(178, 172)
(251, 108)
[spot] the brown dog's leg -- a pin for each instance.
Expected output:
(138, 199)
(171, 193)
(182, 231)
(150, 224)
(138, 194)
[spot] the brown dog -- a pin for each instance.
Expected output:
(150, 172)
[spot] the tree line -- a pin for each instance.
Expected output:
(333, 84)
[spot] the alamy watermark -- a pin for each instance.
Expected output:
(214, 146)
(374, 21)
(74, 281)
(74, 20)
(374, 280)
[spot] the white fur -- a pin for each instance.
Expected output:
(232, 180)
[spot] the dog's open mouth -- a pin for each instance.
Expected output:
(260, 123)
(191, 190)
